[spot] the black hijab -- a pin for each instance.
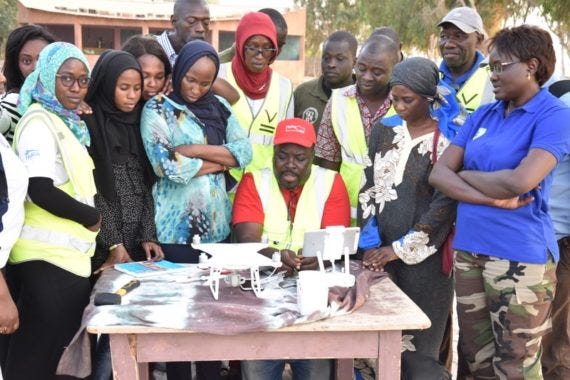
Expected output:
(115, 135)
(211, 112)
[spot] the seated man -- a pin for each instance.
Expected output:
(281, 204)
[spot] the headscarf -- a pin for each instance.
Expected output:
(39, 86)
(115, 134)
(208, 109)
(255, 85)
(422, 77)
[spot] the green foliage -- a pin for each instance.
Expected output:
(7, 21)
(325, 17)
(557, 10)
(416, 21)
(557, 14)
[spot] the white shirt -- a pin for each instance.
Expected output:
(256, 104)
(164, 41)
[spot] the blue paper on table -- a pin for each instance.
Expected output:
(149, 268)
(370, 235)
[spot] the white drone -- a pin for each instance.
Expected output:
(331, 243)
(234, 257)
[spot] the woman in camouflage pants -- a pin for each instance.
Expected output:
(499, 168)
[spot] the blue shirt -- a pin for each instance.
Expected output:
(456, 84)
(492, 142)
(184, 204)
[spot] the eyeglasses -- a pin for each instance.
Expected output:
(69, 80)
(265, 52)
(499, 67)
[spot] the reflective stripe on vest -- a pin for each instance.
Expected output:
(56, 238)
(282, 233)
(47, 237)
(476, 91)
(260, 130)
(349, 130)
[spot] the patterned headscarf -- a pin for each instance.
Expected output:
(39, 86)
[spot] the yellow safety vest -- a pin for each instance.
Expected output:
(281, 232)
(476, 90)
(349, 130)
(260, 128)
(47, 237)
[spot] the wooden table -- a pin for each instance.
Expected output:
(373, 331)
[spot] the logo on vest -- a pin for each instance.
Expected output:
(311, 114)
(467, 101)
(268, 127)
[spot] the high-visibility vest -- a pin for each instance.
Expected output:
(477, 90)
(260, 128)
(282, 232)
(47, 237)
(349, 131)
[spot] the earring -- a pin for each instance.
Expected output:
(528, 76)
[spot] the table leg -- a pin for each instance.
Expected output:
(389, 354)
(124, 353)
(344, 369)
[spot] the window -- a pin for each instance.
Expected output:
(291, 50)
(226, 40)
(128, 33)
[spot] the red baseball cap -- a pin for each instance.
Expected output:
(295, 131)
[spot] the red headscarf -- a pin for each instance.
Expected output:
(255, 85)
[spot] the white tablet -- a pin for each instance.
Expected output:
(336, 239)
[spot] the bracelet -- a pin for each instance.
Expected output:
(114, 246)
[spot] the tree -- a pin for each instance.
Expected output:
(557, 15)
(7, 21)
(325, 17)
(416, 21)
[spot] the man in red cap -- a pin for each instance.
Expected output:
(280, 204)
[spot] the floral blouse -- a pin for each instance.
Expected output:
(412, 216)
(186, 205)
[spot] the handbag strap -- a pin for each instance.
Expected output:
(436, 135)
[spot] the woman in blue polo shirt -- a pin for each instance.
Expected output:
(499, 168)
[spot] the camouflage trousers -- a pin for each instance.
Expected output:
(556, 356)
(503, 309)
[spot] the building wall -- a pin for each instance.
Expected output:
(95, 34)
(71, 28)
